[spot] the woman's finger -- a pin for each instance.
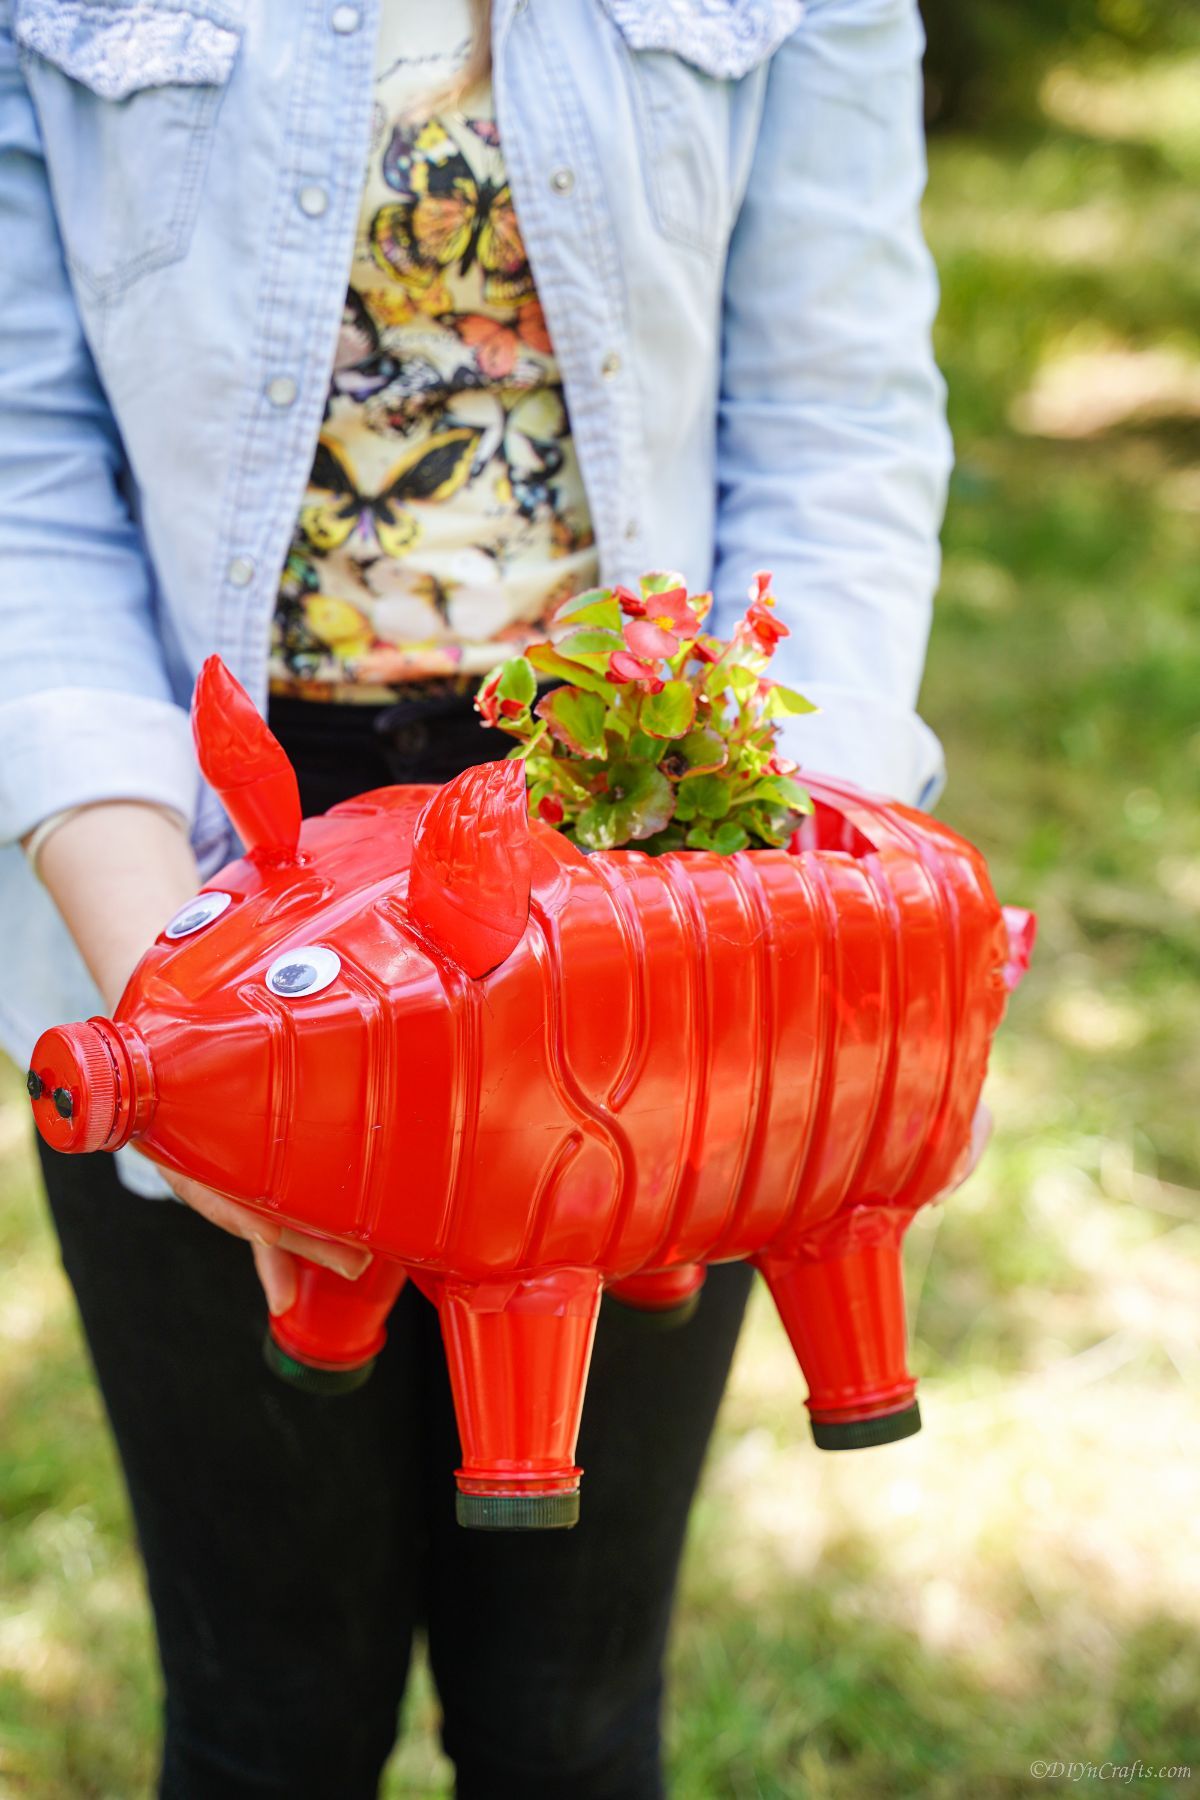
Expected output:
(219, 1210)
(343, 1259)
(244, 1222)
(277, 1273)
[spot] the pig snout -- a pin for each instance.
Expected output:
(90, 1085)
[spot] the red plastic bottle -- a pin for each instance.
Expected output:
(523, 1076)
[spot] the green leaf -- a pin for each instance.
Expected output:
(590, 643)
(735, 676)
(671, 837)
(531, 741)
(724, 838)
(585, 597)
(660, 581)
(728, 837)
(644, 748)
(546, 658)
(791, 792)
(782, 790)
(639, 801)
(517, 680)
(769, 825)
(784, 702)
(595, 607)
(708, 795)
(669, 714)
(703, 750)
(576, 719)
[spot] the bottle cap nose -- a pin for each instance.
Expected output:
(75, 1085)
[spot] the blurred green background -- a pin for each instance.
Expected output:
(1022, 1581)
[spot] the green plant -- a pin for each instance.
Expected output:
(658, 733)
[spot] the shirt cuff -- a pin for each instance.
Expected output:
(875, 742)
(73, 746)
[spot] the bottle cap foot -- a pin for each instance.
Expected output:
(862, 1434)
(518, 1512)
(310, 1380)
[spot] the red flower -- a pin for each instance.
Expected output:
(760, 587)
(623, 668)
(649, 640)
(782, 765)
(550, 808)
(706, 650)
(759, 625)
(666, 621)
(512, 709)
(670, 612)
(486, 703)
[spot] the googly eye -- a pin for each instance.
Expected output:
(299, 973)
(198, 912)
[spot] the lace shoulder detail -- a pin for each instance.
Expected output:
(724, 38)
(118, 49)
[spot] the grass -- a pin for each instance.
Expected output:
(1022, 1581)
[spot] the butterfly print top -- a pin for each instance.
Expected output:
(445, 515)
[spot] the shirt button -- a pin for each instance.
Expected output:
(240, 572)
(610, 366)
(282, 391)
(312, 201)
(562, 180)
(345, 19)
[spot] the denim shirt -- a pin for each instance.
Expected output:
(720, 203)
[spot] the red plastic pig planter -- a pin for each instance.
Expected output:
(523, 1076)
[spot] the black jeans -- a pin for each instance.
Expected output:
(294, 1544)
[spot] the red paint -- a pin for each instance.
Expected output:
(537, 1074)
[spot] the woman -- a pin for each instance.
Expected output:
(628, 283)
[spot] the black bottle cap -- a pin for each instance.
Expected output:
(655, 1318)
(862, 1434)
(309, 1380)
(518, 1512)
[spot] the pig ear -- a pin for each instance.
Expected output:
(469, 887)
(245, 763)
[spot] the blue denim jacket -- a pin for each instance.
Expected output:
(719, 199)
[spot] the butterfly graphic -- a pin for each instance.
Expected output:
(361, 366)
(335, 509)
(535, 428)
(447, 217)
(498, 345)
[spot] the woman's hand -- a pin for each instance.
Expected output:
(117, 871)
(275, 1247)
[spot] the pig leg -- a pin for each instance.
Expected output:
(518, 1352)
(841, 1298)
(663, 1300)
(327, 1340)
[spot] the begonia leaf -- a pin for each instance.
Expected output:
(576, 719)
(670, 713)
